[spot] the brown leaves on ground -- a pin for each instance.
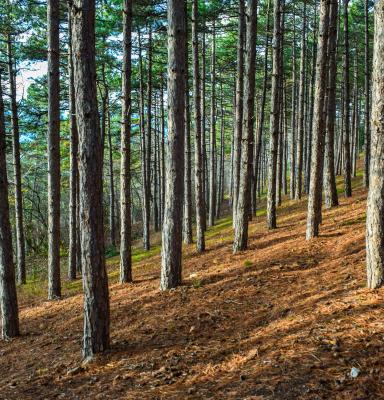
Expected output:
(287, 319)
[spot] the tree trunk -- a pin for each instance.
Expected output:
(346, 153)
(148, 148)
(331, 198)
(301, 125)
(220, 191)
(95, 280)
(308, 157)
(238, 126)
(293, 115)
(74, 143)
(143, 143)
(162, 152)
(199, 178)
(367, 133)
(20, 241)
(275, 113)
(212, 147)
(174, 189)
(125, 169)
(112, 197)
(155, 175)
(243, 203)
(260, 127)
(375, 209)
(280, 146)
(309, 114)
(53, 138)
(8, 294)
(354, 116)
(203, 133)
(187, 230)
(285, 144)
(315, 188)
(78, 233)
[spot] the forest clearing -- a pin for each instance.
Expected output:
(285, 319)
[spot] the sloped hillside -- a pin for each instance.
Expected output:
(287, 319)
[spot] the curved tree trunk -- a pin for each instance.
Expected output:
(375, 209)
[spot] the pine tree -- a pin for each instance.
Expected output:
(174, 179)
(95, 281)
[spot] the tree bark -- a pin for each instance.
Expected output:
(212, 138)
(367, 133)
(280, 146)
(143, 142)
(331, 198)
(310, 114)
(301, 125)
(187, 227)
(162, 151)
(8, 294)
(148, 148)
(125, 169)
(375, 208)
(95, 280)
(20, 241)
(260, 127)
(174, 189)
(199, 178)
(203, 131)
(293, 115)
(346, 153)
(74, 143)
(220, 191)
(53, 138)
(238, 126)
(275, 113)
(243, 203)
(112, 196)
(319, 123)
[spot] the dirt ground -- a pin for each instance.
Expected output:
(286, 319)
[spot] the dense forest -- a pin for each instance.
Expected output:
(182, 173)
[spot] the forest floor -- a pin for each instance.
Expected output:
(286, 319)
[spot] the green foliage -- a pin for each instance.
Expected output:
(197, 283)
(111, 251)
(248, 263)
